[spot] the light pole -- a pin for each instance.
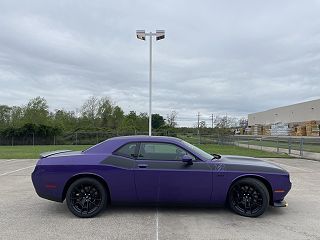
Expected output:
(159, 34)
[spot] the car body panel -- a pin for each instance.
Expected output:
(173, 181)
(159, 181)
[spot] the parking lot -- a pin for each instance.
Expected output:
(26, 216)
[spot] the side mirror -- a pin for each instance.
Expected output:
(187, 159)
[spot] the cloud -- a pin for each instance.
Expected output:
(218, 56)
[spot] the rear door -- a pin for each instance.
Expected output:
(161, 176)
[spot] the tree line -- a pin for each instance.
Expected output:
(96, 114)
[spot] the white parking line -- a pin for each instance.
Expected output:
(16, 160)
(3, 174)
(157, 225)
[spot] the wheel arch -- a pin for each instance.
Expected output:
(258, 177)
(82, 175)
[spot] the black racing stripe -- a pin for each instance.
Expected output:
(252, 168)
(118, 161)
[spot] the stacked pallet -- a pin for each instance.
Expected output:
(312, 128)
(248, 131)
(280, 129)
(266, 130)
(300, 130)
(257, 130)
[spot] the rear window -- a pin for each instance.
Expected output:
(127, 150)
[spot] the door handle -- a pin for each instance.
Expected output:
(142, 165)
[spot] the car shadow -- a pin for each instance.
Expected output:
(62, 210)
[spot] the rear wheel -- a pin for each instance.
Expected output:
(86, 197)
(248, 197)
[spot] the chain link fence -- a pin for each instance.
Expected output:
(74, 138)
(280, 144)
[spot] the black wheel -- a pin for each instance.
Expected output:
(86, 197)
(248, 197)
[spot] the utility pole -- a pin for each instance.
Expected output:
(212, 120)
(199, 128)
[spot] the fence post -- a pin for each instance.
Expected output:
(76, 138)
(32, 139)
(12, 141)
(261, 143)
(277, 144)
(301, 147)
(54, 140)
(289, 145)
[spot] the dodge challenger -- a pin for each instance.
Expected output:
(157, 170)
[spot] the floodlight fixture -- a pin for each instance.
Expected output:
(141, 34)
(160, 34)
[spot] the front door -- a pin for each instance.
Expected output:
(161, 176)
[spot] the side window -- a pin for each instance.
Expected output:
(161, 151)
(127, 150)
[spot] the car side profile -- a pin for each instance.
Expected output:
(157, 170)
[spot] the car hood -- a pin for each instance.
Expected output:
(240, 163)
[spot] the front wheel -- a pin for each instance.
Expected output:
(86, 197)
(248, 197)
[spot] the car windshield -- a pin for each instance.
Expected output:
(200, 152)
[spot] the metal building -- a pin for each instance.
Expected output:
(296, 113)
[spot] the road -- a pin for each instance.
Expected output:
(26, 216)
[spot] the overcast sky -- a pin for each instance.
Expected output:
(219, 57)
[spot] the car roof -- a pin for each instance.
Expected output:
(145, 138)
(112, 144)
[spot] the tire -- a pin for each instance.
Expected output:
(86, 197)
(248, 197)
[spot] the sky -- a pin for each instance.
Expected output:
(218, 57)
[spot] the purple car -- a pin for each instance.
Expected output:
(158, 170)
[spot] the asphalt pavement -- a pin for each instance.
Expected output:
(24, 215)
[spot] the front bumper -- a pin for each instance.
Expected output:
(282, 203)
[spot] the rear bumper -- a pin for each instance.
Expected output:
(282, 203)
(40, 189)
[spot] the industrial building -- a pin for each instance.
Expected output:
(301, 119)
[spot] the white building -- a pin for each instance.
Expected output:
(296, 113)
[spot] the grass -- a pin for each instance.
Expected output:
(307, 146)
(33, 152)
(235, 150)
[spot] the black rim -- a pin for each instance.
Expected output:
(85, 198)
(246, 198)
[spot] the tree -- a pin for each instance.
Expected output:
(171, 119)
(202, 124)
(89, 110)
(36, 111)
(130, 121)
(157, 121)
(117, 117)
(225, 122)
(16, 116)
(243, 123)
(5, 114)
(105, 111)
(65, 120)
